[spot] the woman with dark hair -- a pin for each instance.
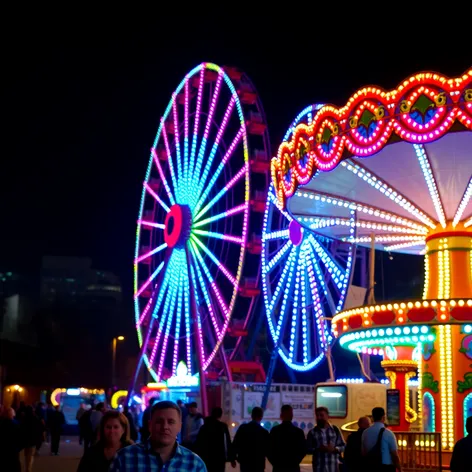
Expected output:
(113, 435)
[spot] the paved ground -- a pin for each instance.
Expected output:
(70, 453)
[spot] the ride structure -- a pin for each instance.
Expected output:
(397, 166)
(305, 278)
(206, 177)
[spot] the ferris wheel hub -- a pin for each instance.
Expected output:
(178, 225)
(296, 232)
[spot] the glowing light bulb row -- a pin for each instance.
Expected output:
(383, 239)
(303, 271)
(353, 205)
(426, 276)
(396, 247)
(293, 330)
(430, 182)
(376, 182)
(463, 204)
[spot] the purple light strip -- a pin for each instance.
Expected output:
(178, 157)
(196, 122)
(151, 253)
(175, 182)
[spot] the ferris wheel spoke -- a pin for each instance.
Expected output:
(156, 197)
(293, 351)
(336, 272)
(151, 253)
(196, 123)
(186, 143)
(143, 316)
(175, 181)
(206, 132)
(468, 223)
(285, 272)
(282, 320)
(178, 157)
(206, 297)
(232, 211)
(151, 224)
(305, 325)
(215, 260)
(219, 169)
(241, 173)
(149, 280)
(163, 179)
(219, 135)
(166, 298)
(188, 340)
(199, 343)
(273, 200)
(280, 234)
(180, 297)
(224, 237)
(170, 317)
(275, 259)
(211, 280)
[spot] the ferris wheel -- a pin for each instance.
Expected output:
(305, 278)
(193, 231)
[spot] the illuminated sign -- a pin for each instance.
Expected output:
(182, 379)
(73, 392)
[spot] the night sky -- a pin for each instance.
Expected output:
(82, 109)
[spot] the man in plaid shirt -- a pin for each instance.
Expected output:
(325, 442)
(161, 452)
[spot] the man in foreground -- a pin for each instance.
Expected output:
(161, 452)
(325, 442)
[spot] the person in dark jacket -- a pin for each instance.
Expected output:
(287, 444)
(30, 431)
(213, 443)
(113, 435)
(10, 441)
(251, 443)
(353, 458)
(55, 421)
(461, 455)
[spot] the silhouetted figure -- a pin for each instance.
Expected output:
(10, 441)
(251, 443)
(353, 453)
(31, 431)
(146, 417)
(462, 455)
(287, 445)
(191, 427)
(56, 421)
(213, 443)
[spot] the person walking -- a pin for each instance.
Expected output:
(353, 458)
(80, 412)
(287, 444)
(213, 443)
(30, 432)
(192, 426)
(379, 446)
(113, 435)
(462, 453)
(251, 443)
(56, 422)
(161, 451)
(325, 442)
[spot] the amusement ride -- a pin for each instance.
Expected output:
(228, 240)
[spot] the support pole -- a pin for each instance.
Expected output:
(270, 373)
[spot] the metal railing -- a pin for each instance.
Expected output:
(419, 451)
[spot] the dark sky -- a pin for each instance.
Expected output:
(82, 107)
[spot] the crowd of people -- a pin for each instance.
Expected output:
(24, 430)
(176, 437)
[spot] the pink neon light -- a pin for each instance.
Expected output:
(197, 122)
(177, 137)
(144, 313)
(151, 224)
(151, 253)
(154, 194)
(161, 174)
(169, 155)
